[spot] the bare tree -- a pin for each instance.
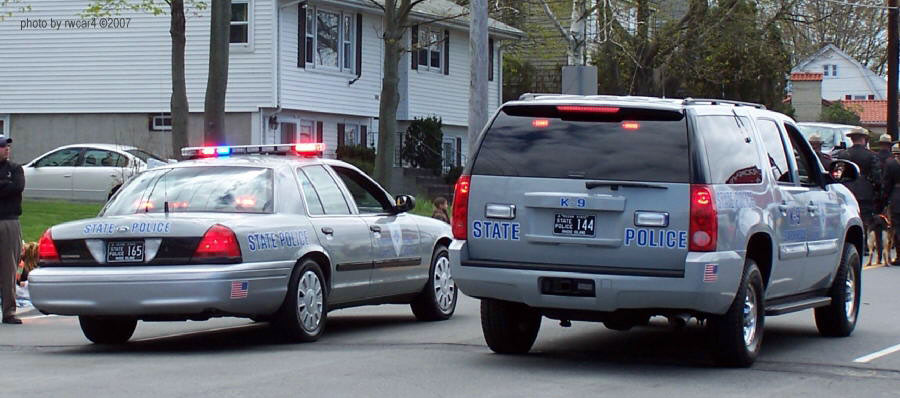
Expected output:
(217, 78)
(575, 36)
(179, 102)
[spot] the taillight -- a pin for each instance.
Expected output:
(218, 244)
(46, 248)
(704, 223)
(460, 218)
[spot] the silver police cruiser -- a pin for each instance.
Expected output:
(240, 232)
(617, 209)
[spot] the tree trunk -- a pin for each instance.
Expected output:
(390, 96)
(576, 40)
(217, 82)
(179, 102)
(478, 83)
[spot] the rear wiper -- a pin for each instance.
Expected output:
(615, 185)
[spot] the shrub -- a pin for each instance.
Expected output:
(422, 144)
(360, 156)
(453, 175)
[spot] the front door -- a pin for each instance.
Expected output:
(344, 235)
(400, 265)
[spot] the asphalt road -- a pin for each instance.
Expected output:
(383, 352)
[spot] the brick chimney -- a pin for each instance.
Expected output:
(807, 96)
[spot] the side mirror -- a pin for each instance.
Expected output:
(843, 171)
(405, 203)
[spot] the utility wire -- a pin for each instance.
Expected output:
(846, 3)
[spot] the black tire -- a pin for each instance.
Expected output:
(437, 302)
(303, 315)
(835, 320)
(107, 330)
(732, 347)
(509, 328)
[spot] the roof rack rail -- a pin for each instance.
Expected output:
(692, 101)
(532, 96)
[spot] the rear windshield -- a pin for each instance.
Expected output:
(196, 189)
(826, 133)
(613, 144)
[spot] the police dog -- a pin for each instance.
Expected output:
(887, 240)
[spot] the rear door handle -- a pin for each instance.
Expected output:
(327, 231)
(375, 228)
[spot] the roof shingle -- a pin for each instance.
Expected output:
(806, 77)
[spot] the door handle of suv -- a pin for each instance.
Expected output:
(327, 231)
(812, 208)
(783, 207)
(374, 228)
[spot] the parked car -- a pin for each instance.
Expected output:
(280, 238)
(84, 171)
(617, 209)
(833, 135)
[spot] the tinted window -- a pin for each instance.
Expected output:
(731, 155)
(368, 197)
(101, 158)
(627, 145)
(309, 194)
(332, 199)
(778, 161)
(196, 189)
(63, 157)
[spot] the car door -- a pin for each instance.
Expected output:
(345, 236)
(790, 213)
(824, 230)
(98, 172)
(400, 265)
(51, 175)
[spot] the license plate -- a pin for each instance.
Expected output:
(129, 251)
(573, 225)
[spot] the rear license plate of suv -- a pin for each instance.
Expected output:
(573, 225)
(128, 251)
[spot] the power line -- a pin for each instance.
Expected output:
(846, 3)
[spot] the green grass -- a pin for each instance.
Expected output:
(38, 215)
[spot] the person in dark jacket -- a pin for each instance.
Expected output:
(816, 141)
(12, 183)
(892, 193)
(866, 188)
(884, 149)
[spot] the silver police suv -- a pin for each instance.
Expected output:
(617, 209)
(243, 232)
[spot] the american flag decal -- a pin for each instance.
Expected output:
(711, 273)
(239, 289)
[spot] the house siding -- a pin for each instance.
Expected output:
(126, 70)
(851, 80)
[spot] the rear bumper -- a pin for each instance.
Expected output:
(160, 291)
(685, 290)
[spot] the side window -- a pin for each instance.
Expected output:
(775, 151)
(310, 195)
(60, 158)
(731, 154)
(101, 158)
(330, 195)
(807, 168)
(369, 198)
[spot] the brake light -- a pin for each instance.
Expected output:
(587, 109)
(46, 247)
(540, 123)
(460, 219)
(220, 243)
(704, 227)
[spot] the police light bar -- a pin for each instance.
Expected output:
(311, 149)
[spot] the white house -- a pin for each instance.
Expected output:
(843, 78)
(299, 70)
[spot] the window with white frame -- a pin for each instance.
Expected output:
(161, 122)
(351, 135)
(307, 131)
(830, 70)
(4, 125)
(240, 22)
(330, 39)
(430, 52)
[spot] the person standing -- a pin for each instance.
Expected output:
(892, 193)
(884, 149)
(816, 141)
(12, 183)
(866, 188)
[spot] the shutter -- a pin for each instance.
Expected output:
(446, 52)
(491, 60)
(301, 36)
(359, 39)
(340, 135)
(319, 128)
(459, 151)
(363, 138)
(414, 51)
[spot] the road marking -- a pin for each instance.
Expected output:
(878, 354)
(193, 332)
